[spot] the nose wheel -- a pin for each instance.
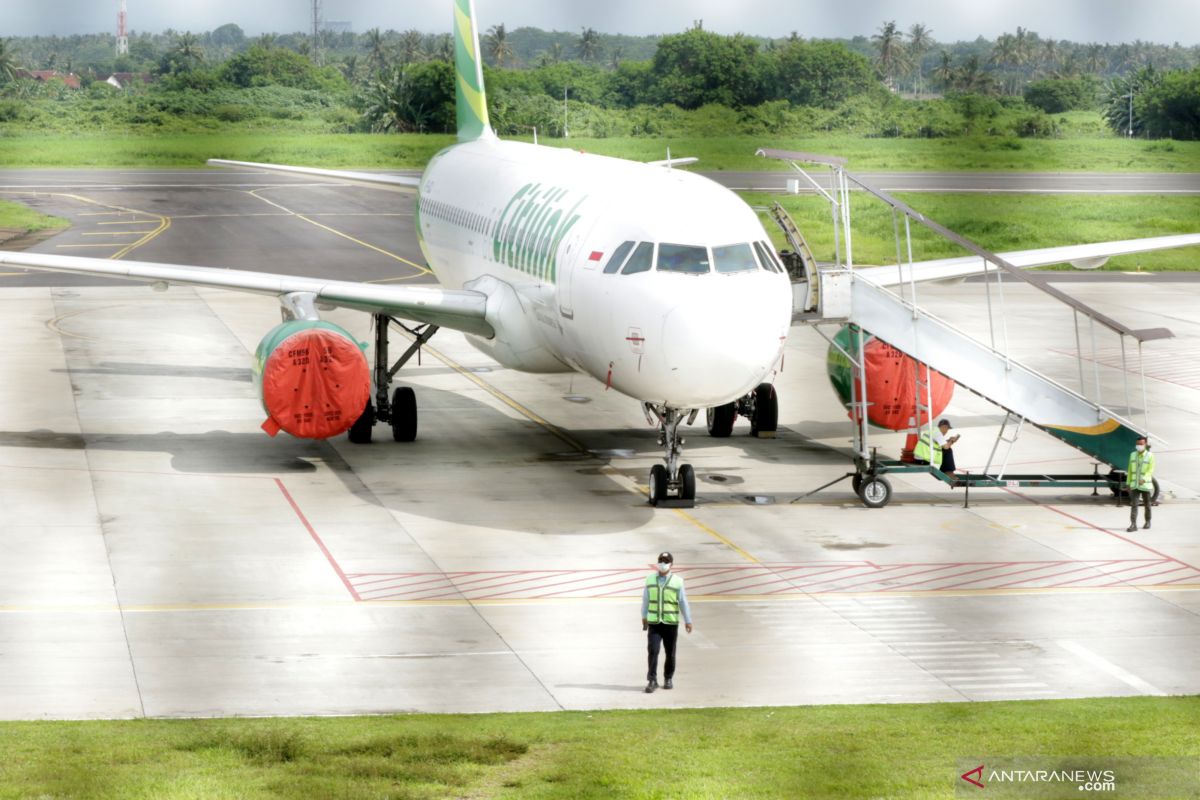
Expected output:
(672, 485)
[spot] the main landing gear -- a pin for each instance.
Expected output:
(401, 412)
(672, 485)
(761, 407)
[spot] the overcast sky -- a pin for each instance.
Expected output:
(1164, 21)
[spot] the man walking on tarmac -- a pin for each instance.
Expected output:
(1140, 480)
(663, 598)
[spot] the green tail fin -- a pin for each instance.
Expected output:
(470, 100)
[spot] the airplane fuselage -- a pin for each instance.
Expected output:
(656, 282)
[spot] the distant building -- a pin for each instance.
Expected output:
(123, 80)
(44, 75)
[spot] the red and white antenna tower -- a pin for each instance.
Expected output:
(122, 31)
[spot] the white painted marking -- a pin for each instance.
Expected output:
(981, 672)
(1104, 665)
(974, 686)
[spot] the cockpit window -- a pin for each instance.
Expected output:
(684, 258)
(618, 258)
(734, 258)
(767, 256)
(641, 260)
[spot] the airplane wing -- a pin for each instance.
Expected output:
(1082, 256)
(460, 310)
(378, 180)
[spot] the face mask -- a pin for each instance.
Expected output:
(664, 568)
(1140, 447)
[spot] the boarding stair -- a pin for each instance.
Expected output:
(838, 294)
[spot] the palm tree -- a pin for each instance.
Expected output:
(349, 67)
(589, 44)
(8, 63)
(1004, 54)
(377, 56)
(411, 46)
(552, 56)
(920, 39)
(891, 52)
(944, 71)
(498, 44)
(442, 48)
(615, 55)
(1050, 56)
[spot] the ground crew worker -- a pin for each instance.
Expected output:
(928, 450)
(663, 598)
(1140, 480)
(936, 450)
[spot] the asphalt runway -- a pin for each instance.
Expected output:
(1169, 183)
(163, 557)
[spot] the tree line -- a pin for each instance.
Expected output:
(623, 85)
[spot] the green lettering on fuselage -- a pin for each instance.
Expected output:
(531, 229)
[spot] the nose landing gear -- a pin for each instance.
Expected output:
(672, 485)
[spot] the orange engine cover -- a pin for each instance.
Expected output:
(891, 382)
(313, 378)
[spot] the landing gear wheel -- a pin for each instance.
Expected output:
(404, 414)
(687, 482)
(765, 421)
(720, 420)
(658, 484)
(875, 491)
(360, 431)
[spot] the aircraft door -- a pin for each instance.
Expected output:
(572, 258)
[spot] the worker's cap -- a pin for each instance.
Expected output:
(666, 558)
(945, 422)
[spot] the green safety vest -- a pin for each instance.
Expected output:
(664, 605)
(1140, 475)
(921, 451)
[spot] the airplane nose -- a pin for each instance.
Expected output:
(717, 354)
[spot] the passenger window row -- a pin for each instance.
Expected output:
(455, 215)
(692, 259)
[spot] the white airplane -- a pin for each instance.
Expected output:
(659, 283)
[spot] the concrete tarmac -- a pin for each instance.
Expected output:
(163, 557)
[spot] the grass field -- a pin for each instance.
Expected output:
(1002, 223)
(18, 219)
(1083, 153)
(894, 751)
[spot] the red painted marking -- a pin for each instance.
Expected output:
(316, 538)
(1152, 574)
(1177, 580)
(937, 578)
(640, 583)
(1126, 539)
(558, 583)
(1043, 565)
(433, 579)
(595, 256)
(635, 339)
(874, 577)
(1054, 575)
(1105, 574)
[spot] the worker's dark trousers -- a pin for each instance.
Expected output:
(1134, 497)
(664, 635)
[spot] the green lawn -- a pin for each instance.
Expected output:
(19, 218)
(1079, 153)
(895, 751)
(1002, 223)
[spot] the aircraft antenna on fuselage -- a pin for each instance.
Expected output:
(469, 96)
